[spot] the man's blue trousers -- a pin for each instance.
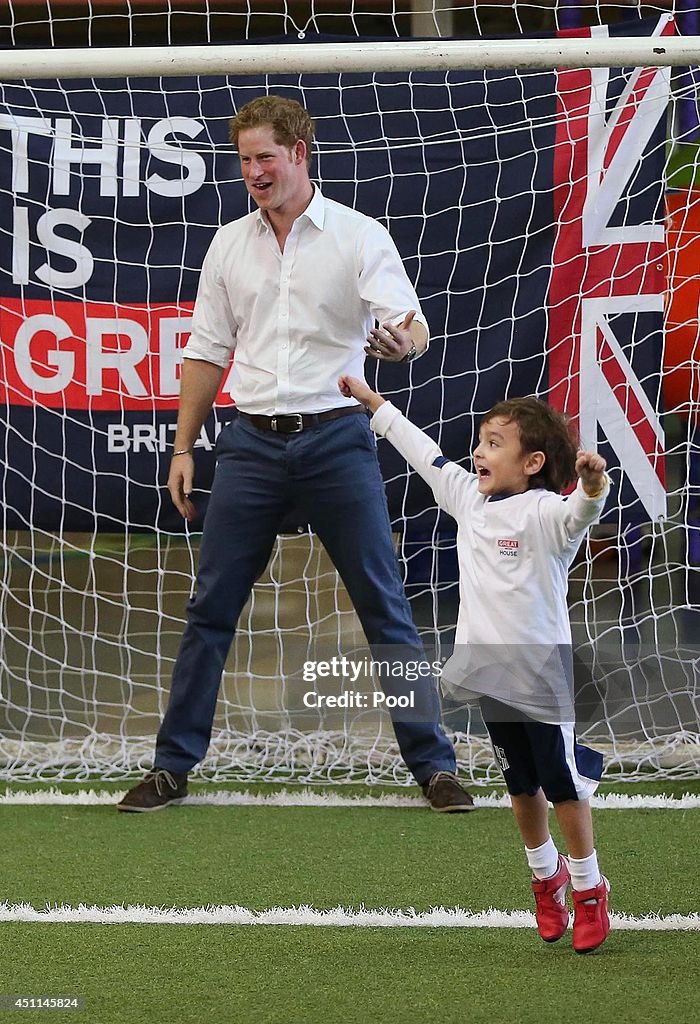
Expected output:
(329, 477)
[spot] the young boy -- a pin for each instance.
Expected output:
(516, 540)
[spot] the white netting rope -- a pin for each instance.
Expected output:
(92, 621)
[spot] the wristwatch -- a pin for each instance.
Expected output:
(410, 355)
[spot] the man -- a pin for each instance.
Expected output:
(294, 289)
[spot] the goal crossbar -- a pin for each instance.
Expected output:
(434, 55)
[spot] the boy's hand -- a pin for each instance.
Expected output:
(590, 468)
(351, 387)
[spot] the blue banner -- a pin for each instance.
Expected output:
(118, 186)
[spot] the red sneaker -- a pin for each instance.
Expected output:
(591, 921)
(550, 898)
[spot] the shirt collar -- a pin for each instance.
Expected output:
(315, 212)
(502, 495)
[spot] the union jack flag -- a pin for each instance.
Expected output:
(608, 265)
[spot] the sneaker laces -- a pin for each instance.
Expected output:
(440, 777)
(159, 777)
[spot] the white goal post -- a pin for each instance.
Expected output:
(308, 58)
(111, 183)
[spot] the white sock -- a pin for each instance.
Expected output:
(585, 873)
(543, 860)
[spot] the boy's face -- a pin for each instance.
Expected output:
(500, 462)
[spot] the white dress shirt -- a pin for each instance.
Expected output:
(514, 556)
(296, 320)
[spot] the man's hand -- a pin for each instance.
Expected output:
(180, 483)
(199, 384)
(390, 342)
(351, 387)
(590, 468)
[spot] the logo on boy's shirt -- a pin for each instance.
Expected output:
(508, 548)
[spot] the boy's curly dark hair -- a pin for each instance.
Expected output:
(542, 429)
(287, 118)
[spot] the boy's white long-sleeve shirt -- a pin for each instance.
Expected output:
(513, 631)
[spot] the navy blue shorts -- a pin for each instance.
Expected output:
(536, 755)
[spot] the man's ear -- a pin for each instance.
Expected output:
(299, 152)
(534, 463)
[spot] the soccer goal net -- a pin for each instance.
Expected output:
(541, 194)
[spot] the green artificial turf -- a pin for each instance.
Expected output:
(147, 974)
(260, 857)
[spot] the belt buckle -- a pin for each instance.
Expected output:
(289, 416)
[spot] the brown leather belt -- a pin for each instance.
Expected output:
(295, 422)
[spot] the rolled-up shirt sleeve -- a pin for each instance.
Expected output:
(383, 280)
(214, 328)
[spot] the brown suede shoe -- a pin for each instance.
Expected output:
(445, 794)
(158, 789)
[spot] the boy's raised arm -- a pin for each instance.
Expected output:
(567, 521)
(447, 480)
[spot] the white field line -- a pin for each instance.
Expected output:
(339, 917)
(317, 798)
